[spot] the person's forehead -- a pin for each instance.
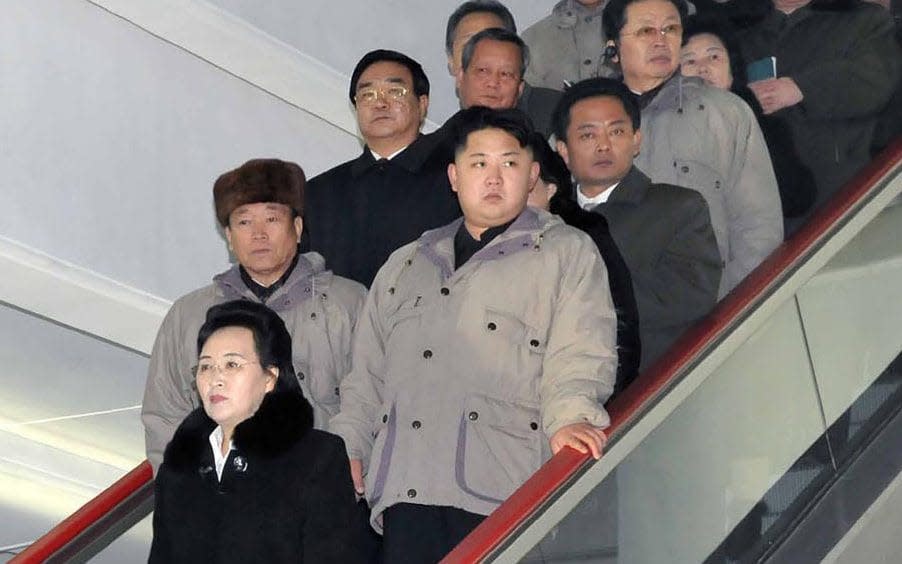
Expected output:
(493, 140)
(233, 338)
(261, 207)
(501, 51)
(651, 10)
(474, 22)
(704, 40)
(385, 71)
(598, 109)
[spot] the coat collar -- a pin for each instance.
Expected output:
(282, 419)
(632, 189)
(410, 159)
(438, 245)
(301, 283)
(672, 94)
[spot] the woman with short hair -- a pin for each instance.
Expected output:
(246, 478)
(710, 52)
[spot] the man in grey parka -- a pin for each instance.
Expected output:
(568, 45)
(259, 206)
(483, 347)
(697, 136)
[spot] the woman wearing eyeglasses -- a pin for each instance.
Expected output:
(246, 478)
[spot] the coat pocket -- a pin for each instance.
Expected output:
(499, 446)
(507, 326)
(384, 443)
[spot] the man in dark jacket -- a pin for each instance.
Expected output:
(554, 192)
(663, 231)
(837, 66)
(362, 210)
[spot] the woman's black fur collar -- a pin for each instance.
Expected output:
(283, 418)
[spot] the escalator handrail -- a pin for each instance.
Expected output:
(560, 468)
(77, 523)
(648, 387)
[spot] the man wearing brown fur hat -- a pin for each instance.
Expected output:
(259, 206)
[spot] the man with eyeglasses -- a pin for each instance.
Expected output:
(362, 210)
(475, 16)
(697, 136)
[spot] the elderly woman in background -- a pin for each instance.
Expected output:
(711, 53)
(246, 478)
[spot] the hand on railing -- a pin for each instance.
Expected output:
(581, 437)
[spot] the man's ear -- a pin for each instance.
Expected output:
(520, 89)
(562, 151)
(452, 176)
(533, 175)
(228, 234)
(423, 102)
(552, 190)
(452, 70)
(610, 51)
(272, 377)
(298, 227)
(637, 143)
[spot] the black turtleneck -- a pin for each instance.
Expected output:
(465, 246)
(264, 292)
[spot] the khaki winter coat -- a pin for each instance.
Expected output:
(320, 311)
(708, 139)
(460, 376)
(567, 45)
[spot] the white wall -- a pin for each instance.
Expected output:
(113, 139)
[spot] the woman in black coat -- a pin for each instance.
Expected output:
(726, 69)
(246, 478)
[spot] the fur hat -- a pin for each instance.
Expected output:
(259, 181)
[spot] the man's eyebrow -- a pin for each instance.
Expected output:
(391, 79)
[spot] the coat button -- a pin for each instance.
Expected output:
(445, 291)
(391, 291)
(336, 390)
(411, 493)
(301, 376)
(313, 315)
(427, 353)
(491, 326)
(473, 416)
(685, 168)
(534, 343)
(385, 418)
(533, 425)
(416, 424)
(587, 62)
